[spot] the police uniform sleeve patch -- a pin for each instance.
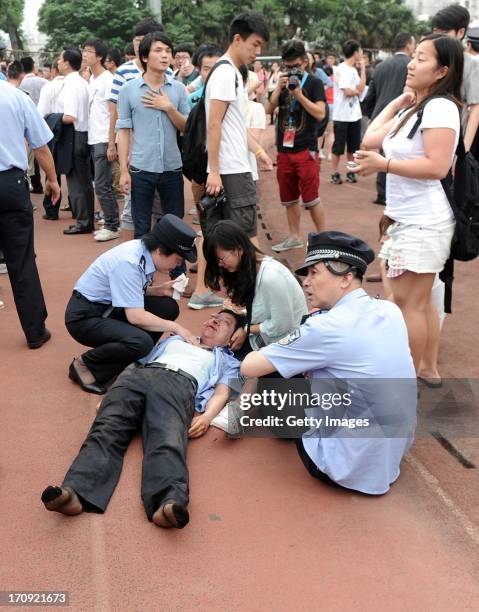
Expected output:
(291, 337)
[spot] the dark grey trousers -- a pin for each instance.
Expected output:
(104, 185)
(159, 402)
(79, 181)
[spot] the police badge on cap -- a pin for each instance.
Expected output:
(176, 235)
(337, 246)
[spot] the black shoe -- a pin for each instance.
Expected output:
(351, 177)
(77, 229)
(89, 388)
(336, 179)
(50, 217)
(379, 201)
(34, 344)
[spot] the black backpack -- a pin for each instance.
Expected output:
(194, 153)
(462, 191)
(323, 124)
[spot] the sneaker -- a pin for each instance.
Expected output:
(351, 177)
(3, 268)
(192, 211)
(336, 179)
(205, 300)
(286, 245)
(227, 419)
(321, 154)
(105, 234)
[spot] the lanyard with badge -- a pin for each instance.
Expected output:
(290, 131)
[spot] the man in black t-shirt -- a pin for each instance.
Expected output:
(302, 105)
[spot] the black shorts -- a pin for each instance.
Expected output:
(346, 133)
(240, 206)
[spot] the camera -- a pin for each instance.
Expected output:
(209, 202)
(294, 77)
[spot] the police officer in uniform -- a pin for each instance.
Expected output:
(21, 120)
(352, 336)
(115, 308)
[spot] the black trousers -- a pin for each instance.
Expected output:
(116, 342)
(16, 239)
(79, 181)
(312, 467)
(162, 404)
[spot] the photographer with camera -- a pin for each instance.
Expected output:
(302, 105)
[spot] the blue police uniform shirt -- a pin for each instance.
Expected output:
(359, 338)
(119, 276)
(225, 370)
(20, 121)
(154, 137)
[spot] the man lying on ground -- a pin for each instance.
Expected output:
(160, 397)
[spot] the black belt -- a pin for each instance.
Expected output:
(168, 368)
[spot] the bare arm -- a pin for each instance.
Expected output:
(255, 364)
(139, 317)
(215, 404)
(45, 159)
(217, 112)
(123, 153)
(111, 151)
(68, 119)
(379, 127)
(472, 126)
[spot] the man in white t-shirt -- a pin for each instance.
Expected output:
(228, 141)
(94, 54)
(348, 86)
(73, 103)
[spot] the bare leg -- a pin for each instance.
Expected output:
(317, 215)
(412, 293)
(428, 368)
(335, 163)
(293, 214)
(200, 276)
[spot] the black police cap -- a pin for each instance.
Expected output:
(177, 236)
(336, 246)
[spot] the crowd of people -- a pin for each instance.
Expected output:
(116, 128)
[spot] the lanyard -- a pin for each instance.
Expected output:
(293, 103)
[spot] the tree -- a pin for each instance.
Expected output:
(11, 16)
(67, 22)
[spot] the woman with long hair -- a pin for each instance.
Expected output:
(273, 298)
(419, 152)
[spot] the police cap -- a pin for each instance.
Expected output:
(473, 35)
(336, 246)
(177, 236)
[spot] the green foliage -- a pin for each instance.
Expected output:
(70, 22)
(11, 16)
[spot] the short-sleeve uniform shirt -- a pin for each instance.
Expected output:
(119, 276)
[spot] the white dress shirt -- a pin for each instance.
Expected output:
(74, 100)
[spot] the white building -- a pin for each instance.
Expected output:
(33, 40)
(424, 9)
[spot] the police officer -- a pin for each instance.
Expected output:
(116, 309)
(21, 120)
(352, 337)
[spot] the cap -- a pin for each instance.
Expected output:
(473, 34)
(336, 246)
(177, 236)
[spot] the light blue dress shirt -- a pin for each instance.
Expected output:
(119, 276)
(321, 74)
(225, 370)
(20, 120)
(2, 76)
(154, 137)
(359, 338)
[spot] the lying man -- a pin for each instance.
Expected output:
(160, 398)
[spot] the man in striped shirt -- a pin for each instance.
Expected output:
(126, 72)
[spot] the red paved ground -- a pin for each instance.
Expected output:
(263, 535)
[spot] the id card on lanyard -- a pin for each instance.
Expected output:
(290, 132)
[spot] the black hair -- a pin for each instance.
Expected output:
(72, 55)
(47, 65)
(292, 50)
(328, 70)
(148, 25)
(99, 45)
(449, 53)
(240, 285)
(129, 49)
(184, 48)
(28, 64)
(15, 69)
(350, 47)
(115, 56)
(149, 39)
(151, 242)
(341, 268)
(453, 17)
(402, 40)
(205, 51)
(474, 45)
(243, 69)
(239, 317)
(247, 24)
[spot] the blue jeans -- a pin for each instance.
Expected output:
(171, 191)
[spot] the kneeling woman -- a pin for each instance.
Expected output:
(115, 309)
(273, 298)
